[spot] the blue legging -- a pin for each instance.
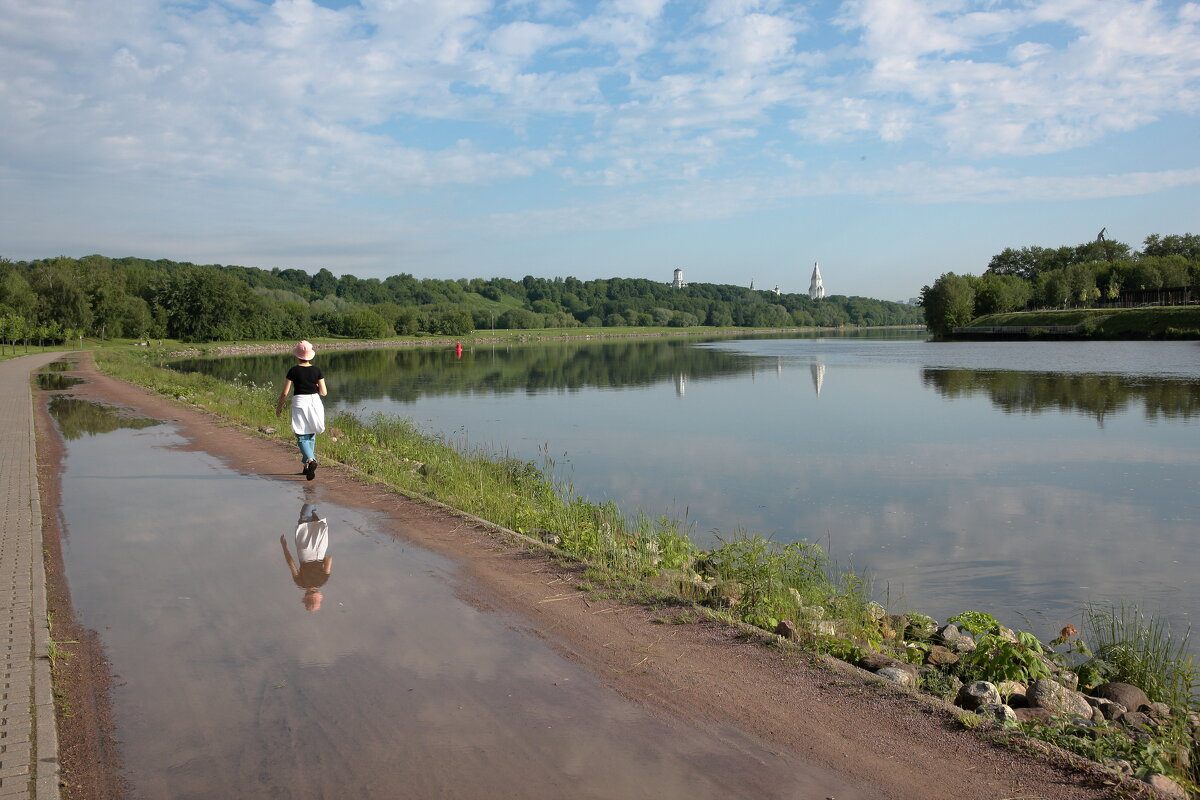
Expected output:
(307, 443)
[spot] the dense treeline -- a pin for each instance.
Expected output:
(1092, 274)
(61, 298)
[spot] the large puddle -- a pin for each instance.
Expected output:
(360, 672)
(55, 381)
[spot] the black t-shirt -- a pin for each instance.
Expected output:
(304, 379)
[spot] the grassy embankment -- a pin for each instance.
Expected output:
(748, 579)
(1159, 322)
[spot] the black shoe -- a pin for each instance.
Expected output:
(310, 470)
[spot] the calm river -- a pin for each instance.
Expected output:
(1025, 479)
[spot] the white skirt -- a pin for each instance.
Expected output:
(308, 415)
(312, 540)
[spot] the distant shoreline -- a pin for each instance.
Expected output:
(520, 337)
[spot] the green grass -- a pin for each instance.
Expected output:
(1159, 322)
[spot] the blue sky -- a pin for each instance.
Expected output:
(891, 140)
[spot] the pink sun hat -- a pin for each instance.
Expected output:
(303, 351)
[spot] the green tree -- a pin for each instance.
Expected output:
(364, 323)
(948, 303)
(203, 304)
(999, 293)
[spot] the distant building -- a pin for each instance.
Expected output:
(678, 283)
(776, 290)
(816, 290)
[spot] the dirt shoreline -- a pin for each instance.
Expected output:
(899, 744)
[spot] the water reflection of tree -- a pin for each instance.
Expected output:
(78, 417)
(409, 373)
(1094, 395)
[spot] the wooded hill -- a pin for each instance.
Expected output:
(57, 298)
(1098, 274)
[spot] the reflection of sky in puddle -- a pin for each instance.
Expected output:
(1018, 478)
(395, 687)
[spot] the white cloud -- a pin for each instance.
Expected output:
(1121, 64)
(692, 105)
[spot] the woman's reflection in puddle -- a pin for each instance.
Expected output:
(312, 545)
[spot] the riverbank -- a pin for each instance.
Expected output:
(1170, 322)
(749, 580)
(180, 350)
(675, 658)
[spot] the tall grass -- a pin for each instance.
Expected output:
(1142, 651)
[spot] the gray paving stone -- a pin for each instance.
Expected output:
(26, 772)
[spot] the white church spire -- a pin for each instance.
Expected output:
(815, 289)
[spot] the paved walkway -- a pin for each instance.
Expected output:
(28, 737)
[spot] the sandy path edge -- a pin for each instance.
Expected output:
(898, 743)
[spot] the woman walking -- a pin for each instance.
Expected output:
(308, 415)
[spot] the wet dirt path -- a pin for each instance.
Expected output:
(400, 684)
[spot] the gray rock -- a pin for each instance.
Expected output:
(1135, 720)
(1126, 694)
(1160, 710)
(267, 429)
(1107, 708)
(1165, 785)
(1013, 693)
(1009, 688)
(948, 635)
(875, 662)
(898, 675)
(1064, 676)
(951, 637)
(876, 611)
(999, 711)
(1058, 699)
(1007, 634)
(973, 695)
(787, 629)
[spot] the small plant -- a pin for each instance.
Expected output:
(997, 659)
(968, 719)
(841, 649)
(940, 684)
(54, 649)
(975, 622)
